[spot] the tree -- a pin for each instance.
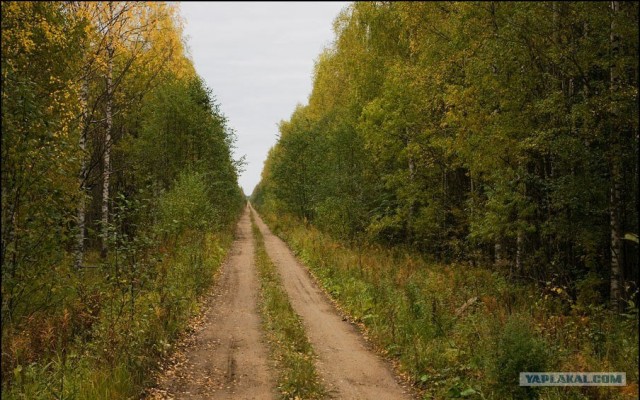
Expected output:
(487, 132)
(40, 52)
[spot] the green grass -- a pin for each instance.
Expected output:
(106, 343)
(410, 309)
(292, 352)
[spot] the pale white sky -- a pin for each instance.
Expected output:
(258, 59)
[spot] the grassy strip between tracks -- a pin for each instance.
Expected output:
(292, 352)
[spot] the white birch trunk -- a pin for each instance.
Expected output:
(81, 212)
(106, 161)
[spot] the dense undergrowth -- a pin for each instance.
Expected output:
(289, 345)
(461, 331)
(102, 340)
(119, 191)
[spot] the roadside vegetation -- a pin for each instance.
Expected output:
(290, 349)
(462, 331)
(119, 195)
(464, 181)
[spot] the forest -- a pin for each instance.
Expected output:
(494, 145)
(494, 134)
(119, 193)
(458, 196)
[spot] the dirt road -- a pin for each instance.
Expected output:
(349, 370)
(226, 358)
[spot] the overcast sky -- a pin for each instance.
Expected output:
(258, 59)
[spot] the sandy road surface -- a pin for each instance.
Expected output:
(349, 370)
(226, 358)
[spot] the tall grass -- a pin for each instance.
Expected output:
(288, 342)
(461, 331)
(104, 340)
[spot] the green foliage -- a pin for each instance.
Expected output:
(40, 46)
(517, 350)
(76, 324)
(589, 292)
(456, 329)
(186, 206)
(121, 326)
(183, 130)
(481, 132)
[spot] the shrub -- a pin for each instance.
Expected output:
(517, 350)
(186, 205)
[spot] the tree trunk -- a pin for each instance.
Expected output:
(106, 168)
(616, 238)
(412, 176)
(81, 212)
(497, 251)
(519, 251)
(615, 209)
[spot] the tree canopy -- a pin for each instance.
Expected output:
(111, 143)
(495, 133)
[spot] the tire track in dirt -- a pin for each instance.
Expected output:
(348, 369)
(226, 358)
